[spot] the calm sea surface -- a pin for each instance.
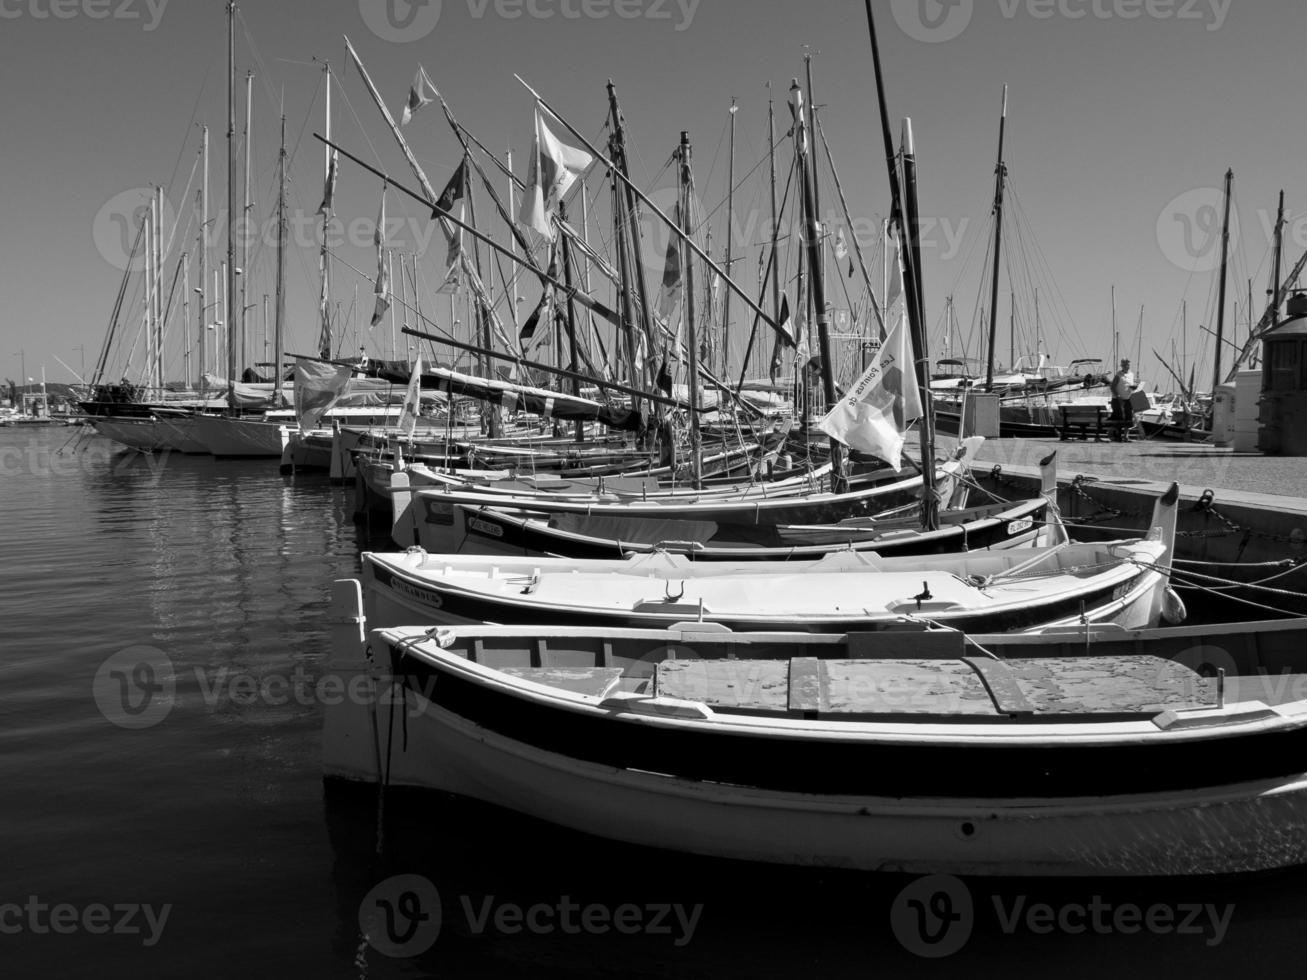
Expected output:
(200, 842)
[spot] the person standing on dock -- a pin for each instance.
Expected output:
(1123, 386)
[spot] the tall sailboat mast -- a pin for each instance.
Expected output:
(1000, 174)
(1225, 258)
(324, 260)
(692, 335)
(730, 251)
(812, 227)
(151, 281)
(230, 296)
(201, 255)
(901, 199)
(775, 217)
(278, 330)
(158, 288)
(631, 211)
(246, 207)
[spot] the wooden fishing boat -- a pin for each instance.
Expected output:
(1121, 582)
(937, 752)
(441, 519)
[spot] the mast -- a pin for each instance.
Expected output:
(1279, 264)
(1012, 330)
(278, 331)
(1116, 336)
(622, 170)
(482, 326)
(186, 316)
(692, 333)
(819, 269)
(201, 254)
(158, 287)
(245, 227)
(512, 209)
(812, 229)
(324, 259)
(920, 341)
(627, 336)
(623, 175)
(1000, 172)
(775, 216)
(1225, 258)
(574, 364)
(150, 280)
(730, 239)
(1037, 345)
(585, 275)
(230, 292)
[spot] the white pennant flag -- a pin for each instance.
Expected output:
(408, 416)
(554, 168)
(417, 96)
(873, 417)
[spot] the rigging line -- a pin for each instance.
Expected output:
(1040, 267)
(195, 109)
(744, 179)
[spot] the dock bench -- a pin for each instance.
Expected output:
(1083, 422)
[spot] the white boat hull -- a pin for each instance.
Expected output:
(144, 434)
(229, 437)
(1240, 828)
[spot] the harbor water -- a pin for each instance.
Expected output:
(196, 838)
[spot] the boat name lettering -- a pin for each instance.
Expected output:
(418, 593)
(485, 527)
(1020, 525)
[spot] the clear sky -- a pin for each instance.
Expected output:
(1123, 117)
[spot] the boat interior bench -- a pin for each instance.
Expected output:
(945, 682)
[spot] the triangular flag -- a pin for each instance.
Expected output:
(455, 189)
(533, 321)
(873, 416)
(382, 290)
(664, 380)
(417, 96)
(329, 191)
(452, 194)
(841, 246)
(784, 323)
(408, 416)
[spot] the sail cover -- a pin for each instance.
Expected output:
(517, 397)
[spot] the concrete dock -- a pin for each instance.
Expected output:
(1241, 513)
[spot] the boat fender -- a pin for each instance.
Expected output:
(1173, 608)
